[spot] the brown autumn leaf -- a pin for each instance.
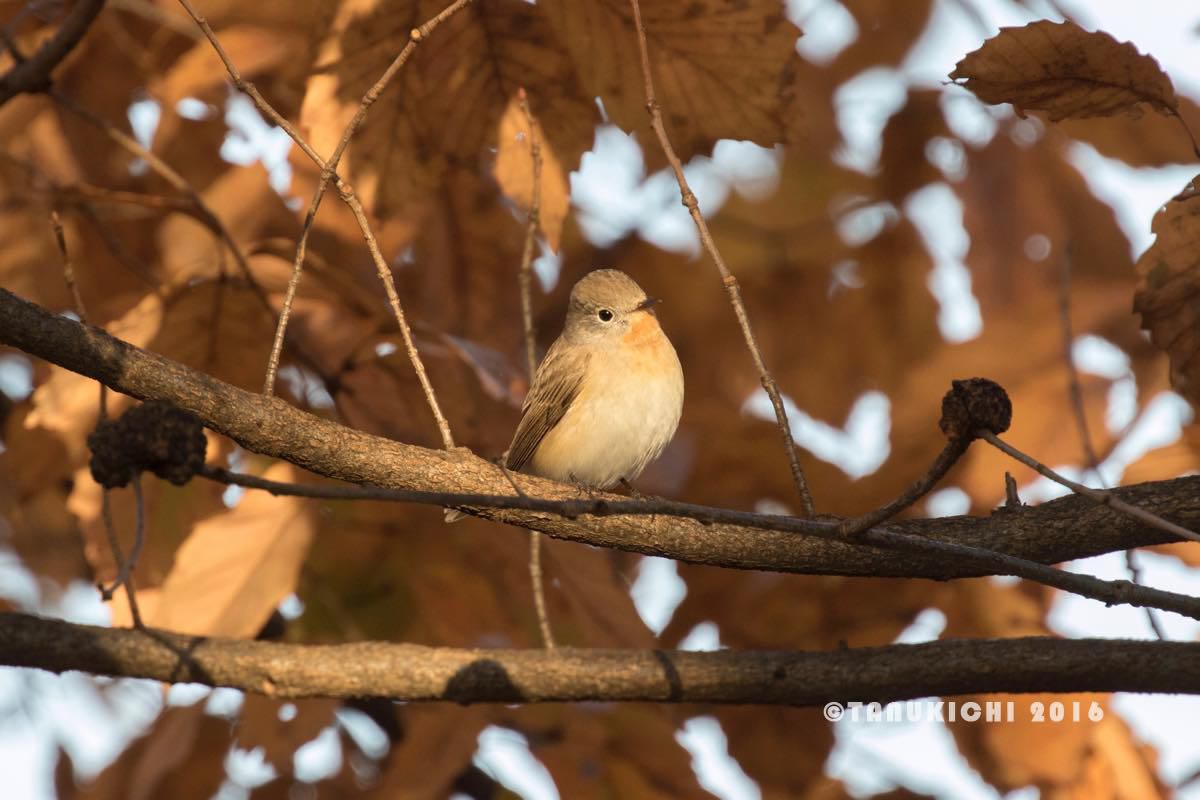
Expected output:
(1152, 141)
(591, 751)
(1067, 759)
(1168, 286)
(170, 513)
(514, 173)
(236, 567)
(435, 745)
(721, 70)
(33, 500)
(1065, 71)
(445, 107)
(1027, 209)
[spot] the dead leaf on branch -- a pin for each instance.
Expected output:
(721, 70)
(236, 567)
(445, 107)
(1065, 71)
(1168, 292)
(514, 173)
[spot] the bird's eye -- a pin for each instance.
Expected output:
(605, 315)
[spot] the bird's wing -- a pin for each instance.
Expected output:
(555, 386)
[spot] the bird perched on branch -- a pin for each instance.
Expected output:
(606, 399)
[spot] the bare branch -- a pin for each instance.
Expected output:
(1073, 384)
(126, 565)
(525, 281)
(727, 277)
(951, 453)
(1110, 592)
(539, 590)
(952, 547)
(68, 268)
(525, 277)
(32, 74)
(1104, 497)
(415, 673)
(1080, 410)
(328, 175)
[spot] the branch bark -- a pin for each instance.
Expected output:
(417, 673)
(1063, 530)
(33, 73)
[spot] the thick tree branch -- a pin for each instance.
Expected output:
(1063, 530)
(414, 672)
(33, 74)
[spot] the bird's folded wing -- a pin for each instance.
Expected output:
(557, 383)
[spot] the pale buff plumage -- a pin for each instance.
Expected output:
(606, 399)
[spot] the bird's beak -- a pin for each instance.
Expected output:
(648, 304)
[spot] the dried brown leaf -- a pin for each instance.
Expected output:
(514, 173)
(236, 567)
(1168, 288)
(445, 106)
(721, 70)
(1065, 71)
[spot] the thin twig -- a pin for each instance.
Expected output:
(68, 269)
(539, 592)
(524, 281)
(139, 535)
(524, 275)
(1012, 499)
(176, 180)
(1102, 496)
(115, 543)
(203, 211)
(951, 453)
(727, 278)
(1135, 575)
(1080, 411)
(328, 175)
(123, 566)
(1075, 387)
(389, 286)
(1109, 592)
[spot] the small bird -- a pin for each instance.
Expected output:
(606, 399)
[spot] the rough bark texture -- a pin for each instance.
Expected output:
(1065, 529)
(412, 672)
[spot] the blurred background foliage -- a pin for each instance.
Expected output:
(889, 231)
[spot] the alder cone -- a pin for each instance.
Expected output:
(972, 405)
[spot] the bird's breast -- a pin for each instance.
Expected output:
(625, 414)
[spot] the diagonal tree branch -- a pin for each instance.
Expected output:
(1047, 534)
(33, 74)
(417, 673)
